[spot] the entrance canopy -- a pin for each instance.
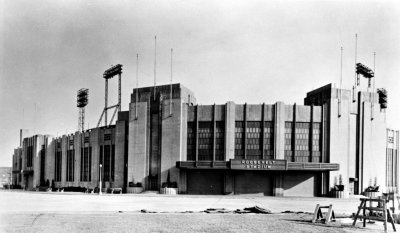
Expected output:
(260, 165)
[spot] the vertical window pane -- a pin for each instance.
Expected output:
(302, 136)
(191, 141)
(219, 140)
(205, 134)
(106, 165)
(239, 137)
(288, 141)
(254, 140)
(70, 165)
(269, 140)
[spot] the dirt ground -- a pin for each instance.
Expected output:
(67, 212)
(171, 222)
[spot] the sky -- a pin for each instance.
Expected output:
(242, 51)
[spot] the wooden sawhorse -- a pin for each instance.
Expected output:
(381, 208)
(330, 215)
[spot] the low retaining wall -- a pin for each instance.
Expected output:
(169, 191)
(134, 189)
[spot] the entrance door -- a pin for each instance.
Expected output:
(28, 182)
(253, 182)
(300, 184)
(205, 182)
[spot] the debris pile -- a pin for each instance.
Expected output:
(248, 210)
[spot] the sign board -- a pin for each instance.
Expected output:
(252, 164)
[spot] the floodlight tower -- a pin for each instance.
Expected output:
(364, 71)
(382, 93)
(108, 74)
(82, 101)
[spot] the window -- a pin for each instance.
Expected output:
(316, 142)
(20, 164)
(269, 140)
(219, 140)
(302, 137)
(205, 134)
(391, 171)
(71, 142)
(86, 140)
(107, 160)
(106, 165)
(58, 166)
(112, 162)
(42, 165)
(253, 140)
(288, 141)
(239, 137)
(191, 141)
(70, 165)
(86, 164)
(29, 160)
(107, 137)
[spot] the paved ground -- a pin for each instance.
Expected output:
(77, 212)
(53, 202)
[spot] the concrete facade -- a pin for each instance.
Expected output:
(392, 160)
(269, 149)
(269, 182)
(355, 136)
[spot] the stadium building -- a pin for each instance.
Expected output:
(338, 137)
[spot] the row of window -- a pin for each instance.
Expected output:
(301, 143)
(86, 158)
(107, 137)
(302, 136)
(205, 140)
(107, 159)
(254, 139)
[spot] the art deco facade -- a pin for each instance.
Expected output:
(271, 149)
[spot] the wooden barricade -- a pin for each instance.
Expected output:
(330, 215)
(392, 197)
(374, 212)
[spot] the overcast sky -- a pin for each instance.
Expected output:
(248, 51)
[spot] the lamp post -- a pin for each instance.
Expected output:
(22, 178)
(100, 180)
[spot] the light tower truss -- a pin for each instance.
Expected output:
(82, 101)
(364, 71)
(108, 74)
(382, 93)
